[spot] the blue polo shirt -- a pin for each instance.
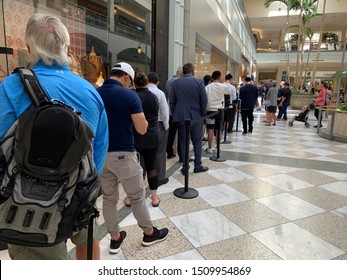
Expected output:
(60, 83)
(120, 104)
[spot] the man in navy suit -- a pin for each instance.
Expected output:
(188, 101)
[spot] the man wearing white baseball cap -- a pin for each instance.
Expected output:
(126, 68)
(124, 112)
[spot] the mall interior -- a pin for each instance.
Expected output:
(279, 193)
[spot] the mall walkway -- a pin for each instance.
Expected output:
(281, 194)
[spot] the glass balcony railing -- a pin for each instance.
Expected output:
(291, 47)
(101, 21)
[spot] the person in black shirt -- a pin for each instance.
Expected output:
(284, 102)
(248, 97)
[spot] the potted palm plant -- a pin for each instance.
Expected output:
(329, 38)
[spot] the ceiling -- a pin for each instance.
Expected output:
(273, 28)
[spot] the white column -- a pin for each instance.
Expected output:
(110, 4)
(176, 35)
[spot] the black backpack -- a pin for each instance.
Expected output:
(48, 181)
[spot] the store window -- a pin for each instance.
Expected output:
(101, 33)
(208, 58)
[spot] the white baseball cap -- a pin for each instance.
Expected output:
(125, 67)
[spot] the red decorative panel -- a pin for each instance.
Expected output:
(17, 14)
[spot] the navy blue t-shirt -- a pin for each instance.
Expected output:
(120, 104)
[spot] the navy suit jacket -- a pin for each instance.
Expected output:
(188, 98)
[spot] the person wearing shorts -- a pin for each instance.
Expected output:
(216, 92)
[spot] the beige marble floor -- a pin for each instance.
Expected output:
(279, 193)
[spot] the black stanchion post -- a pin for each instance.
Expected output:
(319, 119)
(186, 192)
(225, 141)
(217, 158)
(332, 126)
(90, 234)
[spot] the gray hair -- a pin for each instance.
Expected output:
(48, 39)
(179, 69)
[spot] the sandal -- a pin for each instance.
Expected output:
(267, 124)
(126, 203)
(156, 204)
(273, 124)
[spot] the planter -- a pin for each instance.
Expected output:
(340, 127)
(337, 128)
(298, 101)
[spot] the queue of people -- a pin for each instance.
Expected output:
(134, 125)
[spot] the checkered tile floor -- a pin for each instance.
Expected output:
(281, 193)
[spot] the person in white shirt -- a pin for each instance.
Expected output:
(163, 118)
(216, 92)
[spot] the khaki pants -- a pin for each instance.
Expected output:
(125, 168)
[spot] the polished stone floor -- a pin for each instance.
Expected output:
(279, 193)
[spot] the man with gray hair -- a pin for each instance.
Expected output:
(48, 39)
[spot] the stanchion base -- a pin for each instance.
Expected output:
(214, 158)
(191, 193)
(226, 142)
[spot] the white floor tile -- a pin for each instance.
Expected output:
(228, 175)
(222, 194)
(341, 212)
(292, 242)
(285, 182)
(206, 227)
(289, 206)
(336, 187)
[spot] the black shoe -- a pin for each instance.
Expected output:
(200, 169)
(183, 172)
(115, 244)
(317, 126)
(158, 236)
(163, 182)
(244, 133)
(171, 156)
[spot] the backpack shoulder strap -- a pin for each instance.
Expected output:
(33, 87)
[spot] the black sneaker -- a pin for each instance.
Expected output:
(200, 169)
(115, 244)
(158, 236)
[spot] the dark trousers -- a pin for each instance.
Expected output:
(232, 115)
(316, 114)
(148, 160)
(161, 155)
(282, 111)
(195, 135)
(173, 127)
(247, 120)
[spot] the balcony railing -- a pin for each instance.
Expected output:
(101, 21)
(285, 47)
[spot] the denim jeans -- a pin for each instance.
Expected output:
(283, 112)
